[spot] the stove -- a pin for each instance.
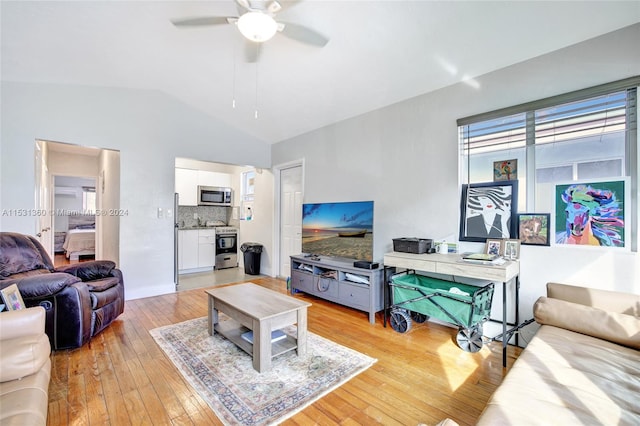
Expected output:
(226, 247)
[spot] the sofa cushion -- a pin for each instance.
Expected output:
(18, 254)
(567, 378)
(89, 271)
(614, 327)
(102, 284)
(24, 347)
(25, 401)
(607, 300)
(38, 286)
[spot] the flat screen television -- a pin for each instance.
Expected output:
(338, 229)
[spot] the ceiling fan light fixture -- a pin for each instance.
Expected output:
(257, 26)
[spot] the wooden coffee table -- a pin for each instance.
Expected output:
(256, 308)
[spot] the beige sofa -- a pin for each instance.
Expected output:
(581, 367)
(25, 367)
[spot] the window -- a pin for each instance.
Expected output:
(248, 185)
(88, 200)
(590, 134)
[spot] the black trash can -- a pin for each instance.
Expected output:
(252, 252)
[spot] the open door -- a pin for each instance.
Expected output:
(43, 199)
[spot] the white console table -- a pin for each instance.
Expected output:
(452, 264)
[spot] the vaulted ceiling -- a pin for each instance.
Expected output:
(379, 53)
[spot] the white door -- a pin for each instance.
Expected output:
(43, 199)
(290, 216)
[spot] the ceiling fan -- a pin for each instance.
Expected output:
(257, 23)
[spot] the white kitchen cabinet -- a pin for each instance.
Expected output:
(187, 186)
(196, 249)
(190, 245)
(207, 178)
(206, 248)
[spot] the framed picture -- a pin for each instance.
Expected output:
(511, 249)
(12, 298)
(493, 247)
(487, 210)
(533, 229)
(592, 213)
(505, 170)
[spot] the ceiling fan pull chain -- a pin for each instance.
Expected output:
(233, 95)
(255, 115)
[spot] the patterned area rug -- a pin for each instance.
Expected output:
(224, 376)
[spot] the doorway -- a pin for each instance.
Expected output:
(56, 160)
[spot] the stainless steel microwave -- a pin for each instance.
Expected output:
(214, 196)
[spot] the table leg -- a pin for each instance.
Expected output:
(301, 343)
(213, 316)
(504, 324)
(261, 345)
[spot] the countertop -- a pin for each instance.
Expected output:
(193, 228)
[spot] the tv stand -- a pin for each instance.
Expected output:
(337, 280)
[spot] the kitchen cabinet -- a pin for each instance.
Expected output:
(196, 249)
(206, 248)
(187, 181)
(186, 186)
(207, 178)
(189, 248)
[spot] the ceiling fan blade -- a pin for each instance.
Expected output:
(274, 7)
(252, 51)
(243, 6)
(203, 21)
(304, 34)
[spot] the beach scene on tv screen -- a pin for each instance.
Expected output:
(338, 229)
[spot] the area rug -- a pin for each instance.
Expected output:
(224, 377)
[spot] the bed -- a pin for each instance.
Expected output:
(80, 239)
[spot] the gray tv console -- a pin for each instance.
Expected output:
(337, 280)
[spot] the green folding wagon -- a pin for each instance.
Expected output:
(417, 297)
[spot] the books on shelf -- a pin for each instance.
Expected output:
(276, 335)
(356, 278)
(483, 258)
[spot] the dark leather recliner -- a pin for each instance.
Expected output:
(80, 299)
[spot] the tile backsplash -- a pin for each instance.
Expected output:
(186, 214)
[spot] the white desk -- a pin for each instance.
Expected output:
(452, 264)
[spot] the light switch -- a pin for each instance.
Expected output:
(159, 212)
(169, 213)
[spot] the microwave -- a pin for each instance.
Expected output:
(214, 196)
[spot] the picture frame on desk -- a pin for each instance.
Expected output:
(493, 246)
(511, 249)
(12, 298)
(488, 211)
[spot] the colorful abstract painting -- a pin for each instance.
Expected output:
(590, 214)
(505, 170)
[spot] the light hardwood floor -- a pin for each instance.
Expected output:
(122, 377)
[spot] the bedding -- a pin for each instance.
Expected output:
(79, 242)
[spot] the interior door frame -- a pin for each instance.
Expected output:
(277, 243)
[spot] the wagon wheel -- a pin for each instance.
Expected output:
(470, 339)
(400, 321)
(418, 317)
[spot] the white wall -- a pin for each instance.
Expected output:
(149, 128)
(405, 158)
(108, 189)
(260, 228)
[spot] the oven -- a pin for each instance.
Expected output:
(226, 247)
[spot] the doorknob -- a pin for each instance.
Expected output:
(38, 235)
